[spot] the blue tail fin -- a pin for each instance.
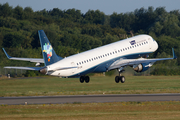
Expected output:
(48, 52)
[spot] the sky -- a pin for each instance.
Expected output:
(106, 6)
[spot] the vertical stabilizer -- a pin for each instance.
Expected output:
(48, 52)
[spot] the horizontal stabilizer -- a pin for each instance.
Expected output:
(24, 68)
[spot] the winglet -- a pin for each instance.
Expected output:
(6, 54)
(174, 56)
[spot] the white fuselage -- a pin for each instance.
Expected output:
(98, 59)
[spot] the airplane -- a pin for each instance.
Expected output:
(128, 52)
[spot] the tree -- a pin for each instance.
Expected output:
(18, 13)
(5, 10)
(109, 39)
(28, 13)
(13, 40)
(57, 13)
(96, 17)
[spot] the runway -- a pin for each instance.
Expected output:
(88, 99)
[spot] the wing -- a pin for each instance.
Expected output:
(37, 60)
(129, 62)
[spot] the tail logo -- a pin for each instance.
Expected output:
(48, 50)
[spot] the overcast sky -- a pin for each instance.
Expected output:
(106, 6)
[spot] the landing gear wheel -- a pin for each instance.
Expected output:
(81, 79)
(84, 78)
(117, 79)
(87, 79)
(122, 79)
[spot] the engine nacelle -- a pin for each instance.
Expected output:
(141, 67)
(43, 70)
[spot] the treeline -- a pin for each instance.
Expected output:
(71, 31)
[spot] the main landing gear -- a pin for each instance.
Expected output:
(120, 78)
(84, 78)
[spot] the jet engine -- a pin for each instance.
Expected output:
(142, 67)
(43, 70)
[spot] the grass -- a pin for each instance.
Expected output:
(87, 111)
(45, 86)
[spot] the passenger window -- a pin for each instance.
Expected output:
(126, 48)
(77, 63)
(118, 51)
(82, 62)
(115, 51)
